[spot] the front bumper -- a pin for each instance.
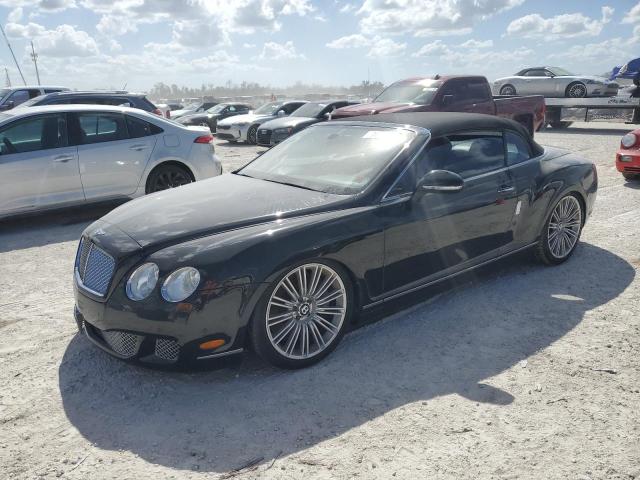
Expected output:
(235, 133)
(602, 90)
(628, 161)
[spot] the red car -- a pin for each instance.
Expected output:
(628, 156)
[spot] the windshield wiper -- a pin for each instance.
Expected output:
(292, 185)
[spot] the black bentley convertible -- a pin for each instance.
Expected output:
(280, 255)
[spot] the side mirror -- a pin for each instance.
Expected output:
(447, 100)
(440, 181)
(8, 106)
(281, 113)
(327, 116)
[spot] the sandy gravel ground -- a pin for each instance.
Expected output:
(518, 371)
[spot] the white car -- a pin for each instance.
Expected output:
(244, 128)
(61, 155)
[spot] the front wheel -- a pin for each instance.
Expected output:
(561, 231)
(252, 135)
(508, 90)
(576, 90)
(302, 317)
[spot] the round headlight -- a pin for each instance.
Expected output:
(180, 284)
(142, 281)
(629, 140)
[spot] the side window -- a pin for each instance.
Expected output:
(453, 88)
(291, 107)
(467, 155)
(477, 91)
(231, 108)
(535, 73)
(404, 185)
(139, 128)
(101, 127)
(117, 101)
(18, 97)
(32, 134)
(518, 149)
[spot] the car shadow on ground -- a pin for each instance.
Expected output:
(452, 342)
(633, 184)
(36, 230)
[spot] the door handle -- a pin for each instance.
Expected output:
(63, 158)
(506, 189)
(137, 148)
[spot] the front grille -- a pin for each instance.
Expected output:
(223, 127)
(224, 136)
(123, 343)
(278, 137)
(167, 349)
(264, 136)
(632, 169)
(94, 267)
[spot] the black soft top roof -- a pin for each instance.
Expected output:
(444, 123)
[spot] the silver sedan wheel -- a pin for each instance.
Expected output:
(306, 311)
(564, 227)
(578, 90)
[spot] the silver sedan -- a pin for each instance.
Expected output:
(56, 156)
(554, 82)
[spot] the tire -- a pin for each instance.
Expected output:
(576, 90)
(286, 316)
(630, 176)
(507, 90)
(167, 176)
(561, 231)
(252, 135)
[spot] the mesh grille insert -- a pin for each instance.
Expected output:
(123, 343)
(167, 349)
(95, 267)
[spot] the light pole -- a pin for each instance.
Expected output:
(34, 57)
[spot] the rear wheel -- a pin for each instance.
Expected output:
(167, 176)
(302, 317)
(508, 90)
(561, 231)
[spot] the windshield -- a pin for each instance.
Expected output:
(415, 93)
(309, 110)
(560, 71)
(217, 108)
(340, 159)
(268, 108)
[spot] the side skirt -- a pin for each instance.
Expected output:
(446, 277)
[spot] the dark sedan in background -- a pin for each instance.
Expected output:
(274, 131)
(280, 255)
(210, 117)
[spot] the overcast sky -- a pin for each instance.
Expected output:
(105, 43)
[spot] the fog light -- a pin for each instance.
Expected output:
(626, 158)
(211, 344)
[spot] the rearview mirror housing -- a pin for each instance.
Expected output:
(440, 181)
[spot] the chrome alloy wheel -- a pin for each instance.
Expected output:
(564, 227)
(578, 90)
(306, 311)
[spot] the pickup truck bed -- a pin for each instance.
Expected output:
(459, 93)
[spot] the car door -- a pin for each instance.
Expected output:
(38, 168)
(111, 161)
(438, 233)
(537, 81)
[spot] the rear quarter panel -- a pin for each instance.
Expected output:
(517, 108)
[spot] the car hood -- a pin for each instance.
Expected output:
(374, 108)
(179, 113)
(212, 206)
(289, 122)
(197, 116)
(246, 118)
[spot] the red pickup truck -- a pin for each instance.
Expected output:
(451, 93)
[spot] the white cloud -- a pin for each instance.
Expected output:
(221, 59)
(633, 15)
(191, 33)
(347, 8)
(48, 5)
(15, 15)
(18, 30)
(471, 43)
(428, 17)
(433, 49)
(279, 51)
(350, 41)
(385, 47)
(66, 41)
(569, 25)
